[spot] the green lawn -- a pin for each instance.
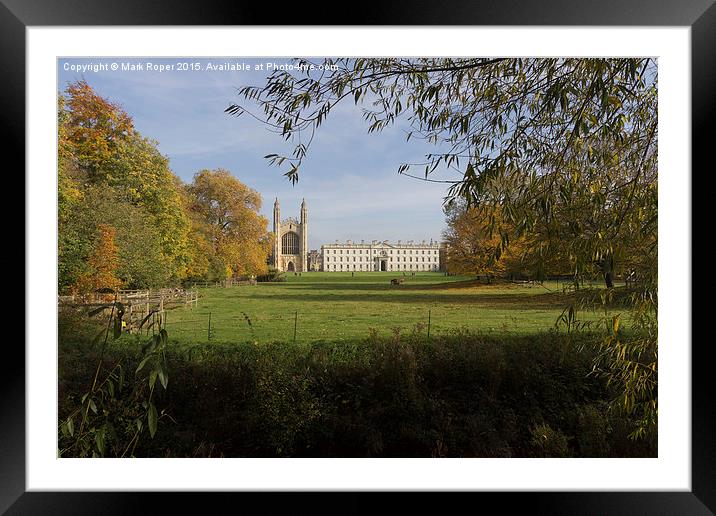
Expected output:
(339, 307)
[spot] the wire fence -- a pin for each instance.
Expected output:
(291, 326)
(286, 327)
(192, 318)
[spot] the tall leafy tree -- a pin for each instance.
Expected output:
(229, 211)
(94, 126)
(472, 248)
(100, 148)
(140, 262)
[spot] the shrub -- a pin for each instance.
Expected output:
(455, 395)
(273, 275)
(548, 442)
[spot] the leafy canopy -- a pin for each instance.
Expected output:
(562, 151)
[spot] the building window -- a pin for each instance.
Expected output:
(289, 243)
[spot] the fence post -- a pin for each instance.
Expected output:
(428, 324)
(208, 333)
(295, 325)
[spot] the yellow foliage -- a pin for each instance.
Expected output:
(227, 212)
(475, 246)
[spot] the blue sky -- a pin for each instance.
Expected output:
(349, 178)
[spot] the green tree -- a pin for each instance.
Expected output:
(140, 261)
(141, 174)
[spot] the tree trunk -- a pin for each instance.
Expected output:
(608, 270)
(608, 279)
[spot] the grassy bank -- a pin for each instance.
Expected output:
(456, 394)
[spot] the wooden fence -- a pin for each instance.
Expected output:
(138, 304)
(225, 283)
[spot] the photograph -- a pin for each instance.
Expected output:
(357, 257)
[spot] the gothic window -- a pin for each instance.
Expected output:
(289, 243)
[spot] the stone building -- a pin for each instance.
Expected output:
(290, 245)
(382, 256)
(314, 260)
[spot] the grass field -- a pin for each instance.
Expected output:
(349, 387)
(340, 307)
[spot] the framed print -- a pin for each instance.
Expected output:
(242, 183)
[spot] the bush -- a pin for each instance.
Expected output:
(549, 443)
(273, 275)
(457, 395)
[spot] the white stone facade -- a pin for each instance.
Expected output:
(381, 256)
(290, 245)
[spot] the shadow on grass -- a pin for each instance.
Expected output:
(510, 301)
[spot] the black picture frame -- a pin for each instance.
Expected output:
(700, 15)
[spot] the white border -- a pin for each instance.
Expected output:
(670, 471)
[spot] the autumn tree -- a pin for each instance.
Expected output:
(94, 126)
(98, 148)
(141, 175)
(469, 243)
(232, 224)
(102, 264)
